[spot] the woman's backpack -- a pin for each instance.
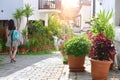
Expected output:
(15, 35)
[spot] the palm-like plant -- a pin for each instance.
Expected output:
(17, 15)
(28, 11)
(102, 24)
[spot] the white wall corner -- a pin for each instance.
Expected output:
(23, 23)
(46, 19)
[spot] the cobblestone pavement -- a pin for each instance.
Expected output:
(44, 67)
(27, 67)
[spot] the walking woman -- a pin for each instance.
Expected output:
(13, 45)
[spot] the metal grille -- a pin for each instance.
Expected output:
(49, 4)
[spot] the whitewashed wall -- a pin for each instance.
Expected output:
(34, 6)
(86, 15)
(117, 12)
(9, 7)
(108, 6)
(98, 7)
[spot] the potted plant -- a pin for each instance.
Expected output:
(76, 49)
(22, 48)
(102, 24)
(101, 53)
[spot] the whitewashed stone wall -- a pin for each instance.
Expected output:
(117, 39)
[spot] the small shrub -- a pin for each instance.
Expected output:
(77, 46)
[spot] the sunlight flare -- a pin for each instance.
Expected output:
(70, 3)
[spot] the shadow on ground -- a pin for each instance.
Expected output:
(22, 61)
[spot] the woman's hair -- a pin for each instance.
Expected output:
(11, 25)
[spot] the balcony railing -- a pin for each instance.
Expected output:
(49, 4)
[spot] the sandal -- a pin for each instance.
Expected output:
(12, 60)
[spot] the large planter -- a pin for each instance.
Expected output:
(33, 49)
(22, 50)
(100, 69)
(76, 64)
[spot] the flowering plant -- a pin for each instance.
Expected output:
(102, 48)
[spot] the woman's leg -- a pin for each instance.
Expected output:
(14, 52)
(10, 52)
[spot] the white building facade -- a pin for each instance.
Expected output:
(8, 7)
(107, 5)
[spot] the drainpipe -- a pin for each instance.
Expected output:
(94, 1)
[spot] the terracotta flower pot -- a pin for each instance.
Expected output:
(76, 64)
(32, 49)
(23, 50)
(100, 69)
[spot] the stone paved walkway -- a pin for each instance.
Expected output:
(44, 67)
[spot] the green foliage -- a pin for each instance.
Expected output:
(24, 31)
(77, 46)
(18, 14)
(32, 42)
(102, 24)
(28, 11)
(24, 45)
(41, 33)
(1, 59)
(54, 24)
(65, 59)
(0, 45)
(3, 44)
(35, 27)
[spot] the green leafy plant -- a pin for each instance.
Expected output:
(102, 24)
(0, 47)
(17, 15)
(35, 27)
(24, 31)
(54, 24)
(3, 44)
(28, 11)
(65, 59)
(77, 46)
(32, 43)
(102, 48)
(41, 33)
